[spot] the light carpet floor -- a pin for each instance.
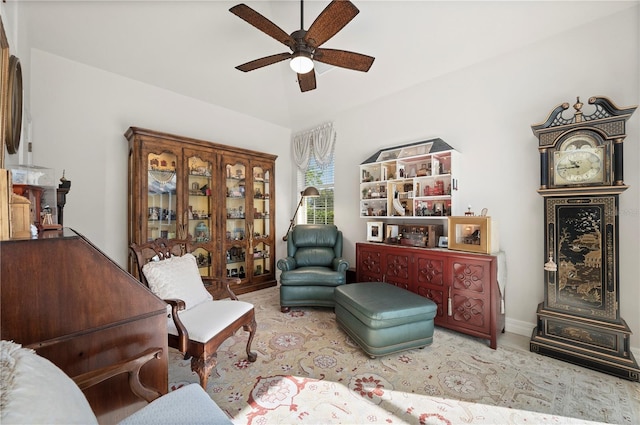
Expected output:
(310, 372)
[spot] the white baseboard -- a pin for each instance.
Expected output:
(519, 327)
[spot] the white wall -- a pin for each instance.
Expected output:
(80, 115)
(486, 112)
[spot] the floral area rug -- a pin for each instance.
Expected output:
(309, 371)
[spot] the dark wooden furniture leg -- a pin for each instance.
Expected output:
(251, 328)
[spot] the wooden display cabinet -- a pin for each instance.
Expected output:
(220, 197)
(463, 286)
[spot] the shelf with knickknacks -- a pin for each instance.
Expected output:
(36, 184)
(202, 232)
(415, 180)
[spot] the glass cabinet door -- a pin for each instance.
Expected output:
(221, 199)
(261, 225)
(161, 196)
(236, 219)
(198, 215)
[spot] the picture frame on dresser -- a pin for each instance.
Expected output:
(472, 234)
(375, 231)
(392, 230)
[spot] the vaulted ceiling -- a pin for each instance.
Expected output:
(192, 47)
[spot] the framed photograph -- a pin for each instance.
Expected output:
(472, 234)
(393, 230)
(375, 231)
(443, 242)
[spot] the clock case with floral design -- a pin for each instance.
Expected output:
(579, 159)
(579, 320)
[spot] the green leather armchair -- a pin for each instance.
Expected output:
(313, 267)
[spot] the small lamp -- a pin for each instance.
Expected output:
(310, 192)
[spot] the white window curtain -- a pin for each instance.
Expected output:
(302, 150)
(319, 142)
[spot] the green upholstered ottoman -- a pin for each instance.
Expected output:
(383, 318)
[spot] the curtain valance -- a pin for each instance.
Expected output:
(319, 142)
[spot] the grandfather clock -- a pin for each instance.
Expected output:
(581, 179)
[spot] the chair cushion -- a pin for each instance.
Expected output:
(177, 277)
(209, 318)
(319, 276)
(314, 256)
(35, 391)
(187, 405)
(314, 235)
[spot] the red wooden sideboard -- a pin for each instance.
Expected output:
(463, 285)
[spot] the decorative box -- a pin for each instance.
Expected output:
(473, 234)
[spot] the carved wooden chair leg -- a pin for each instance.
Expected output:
(203, 365)
(251, 328)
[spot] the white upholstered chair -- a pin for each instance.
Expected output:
(197, 324)
(35, 391)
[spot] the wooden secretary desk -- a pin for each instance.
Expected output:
(73, 305)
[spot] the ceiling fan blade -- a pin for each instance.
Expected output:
(263, 24)
(344, 59)
(331, 20)
(259, 63)
(307, 81)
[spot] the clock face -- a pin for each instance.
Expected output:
(579, 161)
(578, 166)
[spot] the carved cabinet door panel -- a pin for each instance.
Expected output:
(398, 266)
(430, 282)
(369, 263)
(470, 293)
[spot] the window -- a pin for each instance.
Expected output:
(313, 152)
(317, 210)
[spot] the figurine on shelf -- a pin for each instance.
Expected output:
(64, 183)
(202, 232)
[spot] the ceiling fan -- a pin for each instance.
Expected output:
(305, 44)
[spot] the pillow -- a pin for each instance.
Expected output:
(177, 277)
(35, 391)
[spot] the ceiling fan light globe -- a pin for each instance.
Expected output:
(301, 64)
